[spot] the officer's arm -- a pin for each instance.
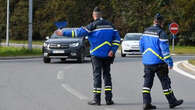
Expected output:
(141, 44)
(80, 32)
(116, 41)
(165, 49)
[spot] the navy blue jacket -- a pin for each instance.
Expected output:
(102, 37)
(154, 46)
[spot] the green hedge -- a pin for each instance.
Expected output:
(13, 51)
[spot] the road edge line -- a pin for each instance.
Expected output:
(74, 92)
(180, 71)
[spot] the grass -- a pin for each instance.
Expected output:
(37, 42)
(192, 61)
(183, 50)
(19, 51)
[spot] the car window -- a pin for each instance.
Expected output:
(54, 36)
(132, 37)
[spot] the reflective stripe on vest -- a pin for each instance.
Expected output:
(73, 34)
(149, 49)
(106, 42)
(116, 44)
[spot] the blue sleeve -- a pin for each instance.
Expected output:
(116, 41)
(80, 32)
(164, 46)
(141, 44)
(67, 33)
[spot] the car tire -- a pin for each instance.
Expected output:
(46, 60)
(63, 59)
(81, 59)
(122, 55)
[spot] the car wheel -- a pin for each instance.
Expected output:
(81, 59)
(63, 59)
(46, 60)
(122, 55)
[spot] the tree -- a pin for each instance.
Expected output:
(126, 15)
(3, 18)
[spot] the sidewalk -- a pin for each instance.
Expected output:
(185, 68)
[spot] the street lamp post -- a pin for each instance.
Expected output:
(7, 29)
(30, 25)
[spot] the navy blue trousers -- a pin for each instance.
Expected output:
(101, 66)
(161, 71)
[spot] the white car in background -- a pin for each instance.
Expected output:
(130, 44)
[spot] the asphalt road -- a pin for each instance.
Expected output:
(29, 84)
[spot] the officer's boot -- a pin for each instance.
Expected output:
(108, 96)
(148, 107)
(147, 100)
(173, 102)
(96, 99)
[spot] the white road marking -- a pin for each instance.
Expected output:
(74, 92)
(60, 75)
(186, 64)
(181, 71)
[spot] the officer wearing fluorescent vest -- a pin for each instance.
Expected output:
(156, 59)
(104, 41)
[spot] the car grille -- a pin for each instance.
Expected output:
(58, 46)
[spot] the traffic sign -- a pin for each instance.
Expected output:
(174, 28)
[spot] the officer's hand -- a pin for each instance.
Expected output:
(110, 54)
(170, 67)
(59, 32)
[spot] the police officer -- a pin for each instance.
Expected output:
(156, 59)
(104, 40)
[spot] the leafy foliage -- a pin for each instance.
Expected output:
(126, 15)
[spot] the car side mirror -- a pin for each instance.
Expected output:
(47, 37)
(122, 39)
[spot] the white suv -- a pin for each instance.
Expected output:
(130, 44)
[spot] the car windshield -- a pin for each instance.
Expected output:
(54, 36)
(132, 37)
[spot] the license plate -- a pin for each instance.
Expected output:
(58, 51)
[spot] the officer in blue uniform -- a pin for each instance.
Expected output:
(104, 40)
(156, 59)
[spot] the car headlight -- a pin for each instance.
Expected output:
(74, 44)
(45, 44)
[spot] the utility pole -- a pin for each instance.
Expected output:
(7, 29)
(30, 24)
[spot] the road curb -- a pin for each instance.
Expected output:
(189, 66)
(19, 57)
(181, 71)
